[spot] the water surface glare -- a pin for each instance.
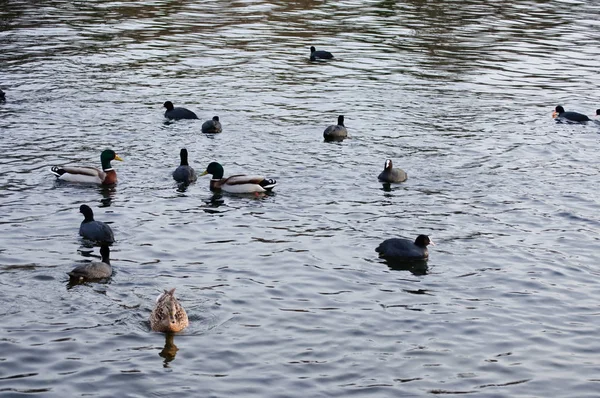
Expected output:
(285, 293)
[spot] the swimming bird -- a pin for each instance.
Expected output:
(2, 95)
(559, 114)
(184, 173)
(315, 55)
(597, 112)
(392, 175)
(94, 270)
(336, 132)
(212, 126)
(178, 113)
(91, 229)
(237, 183)
(90, 175)
(168, 316)
(398, 248)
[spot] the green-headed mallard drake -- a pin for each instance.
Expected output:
(90, 175)
(184, 173)
(336, 132)
(390, 174)
(237, 183)
(168, 316)
(95, 270)
(212, 126)
(94, 230)
(178, 113)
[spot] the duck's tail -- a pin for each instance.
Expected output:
(268, 183)
(57, 171)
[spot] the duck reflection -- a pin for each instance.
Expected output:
(182, 187)
(387, 187)
(169, 351)
(415, 267)
(107, 195)
(216, 200)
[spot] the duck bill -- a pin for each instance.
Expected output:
(117, 157)
(554, 115)
(204, 173)
(431, 242)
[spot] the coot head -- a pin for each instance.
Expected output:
(168, 105)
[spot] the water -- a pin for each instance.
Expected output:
(285, 293)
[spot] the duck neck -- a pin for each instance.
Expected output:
(106, 165)
(184, 159)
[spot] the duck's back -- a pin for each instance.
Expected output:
(393, 175)
(95, 270)
(184, 174)
(401, 248)
(211, 126)
(335, 131)
(180, 113)
(96, 231)
(574, 116)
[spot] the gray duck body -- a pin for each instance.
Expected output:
(212, 126)
(184, 173)
(336, 132)
(91, 229)
(94, 270)
(389, 174)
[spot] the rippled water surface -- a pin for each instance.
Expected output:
(285, 292)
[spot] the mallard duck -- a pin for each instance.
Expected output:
(237, 183)
(212, 126)
(178, 113)
(184, 173)
(94, 270)
(90, 175)
(315, 55)
(397, 248)
(559, 114)
(392, 175)
(168, 316)
(336, 132)
(94, 230)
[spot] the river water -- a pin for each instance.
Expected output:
(285, 292)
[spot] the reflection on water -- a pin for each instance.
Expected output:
(169, 351)
(415, 267)
(460, 92)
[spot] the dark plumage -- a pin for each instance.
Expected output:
(397, 248)
(94, 270)
(336, 132)
(2, 96)
(184, 173)
(390, 174)
(597, 112)
(212, 126)
(94, 230)
(573, 117)
(178, 113)
(315, 55)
